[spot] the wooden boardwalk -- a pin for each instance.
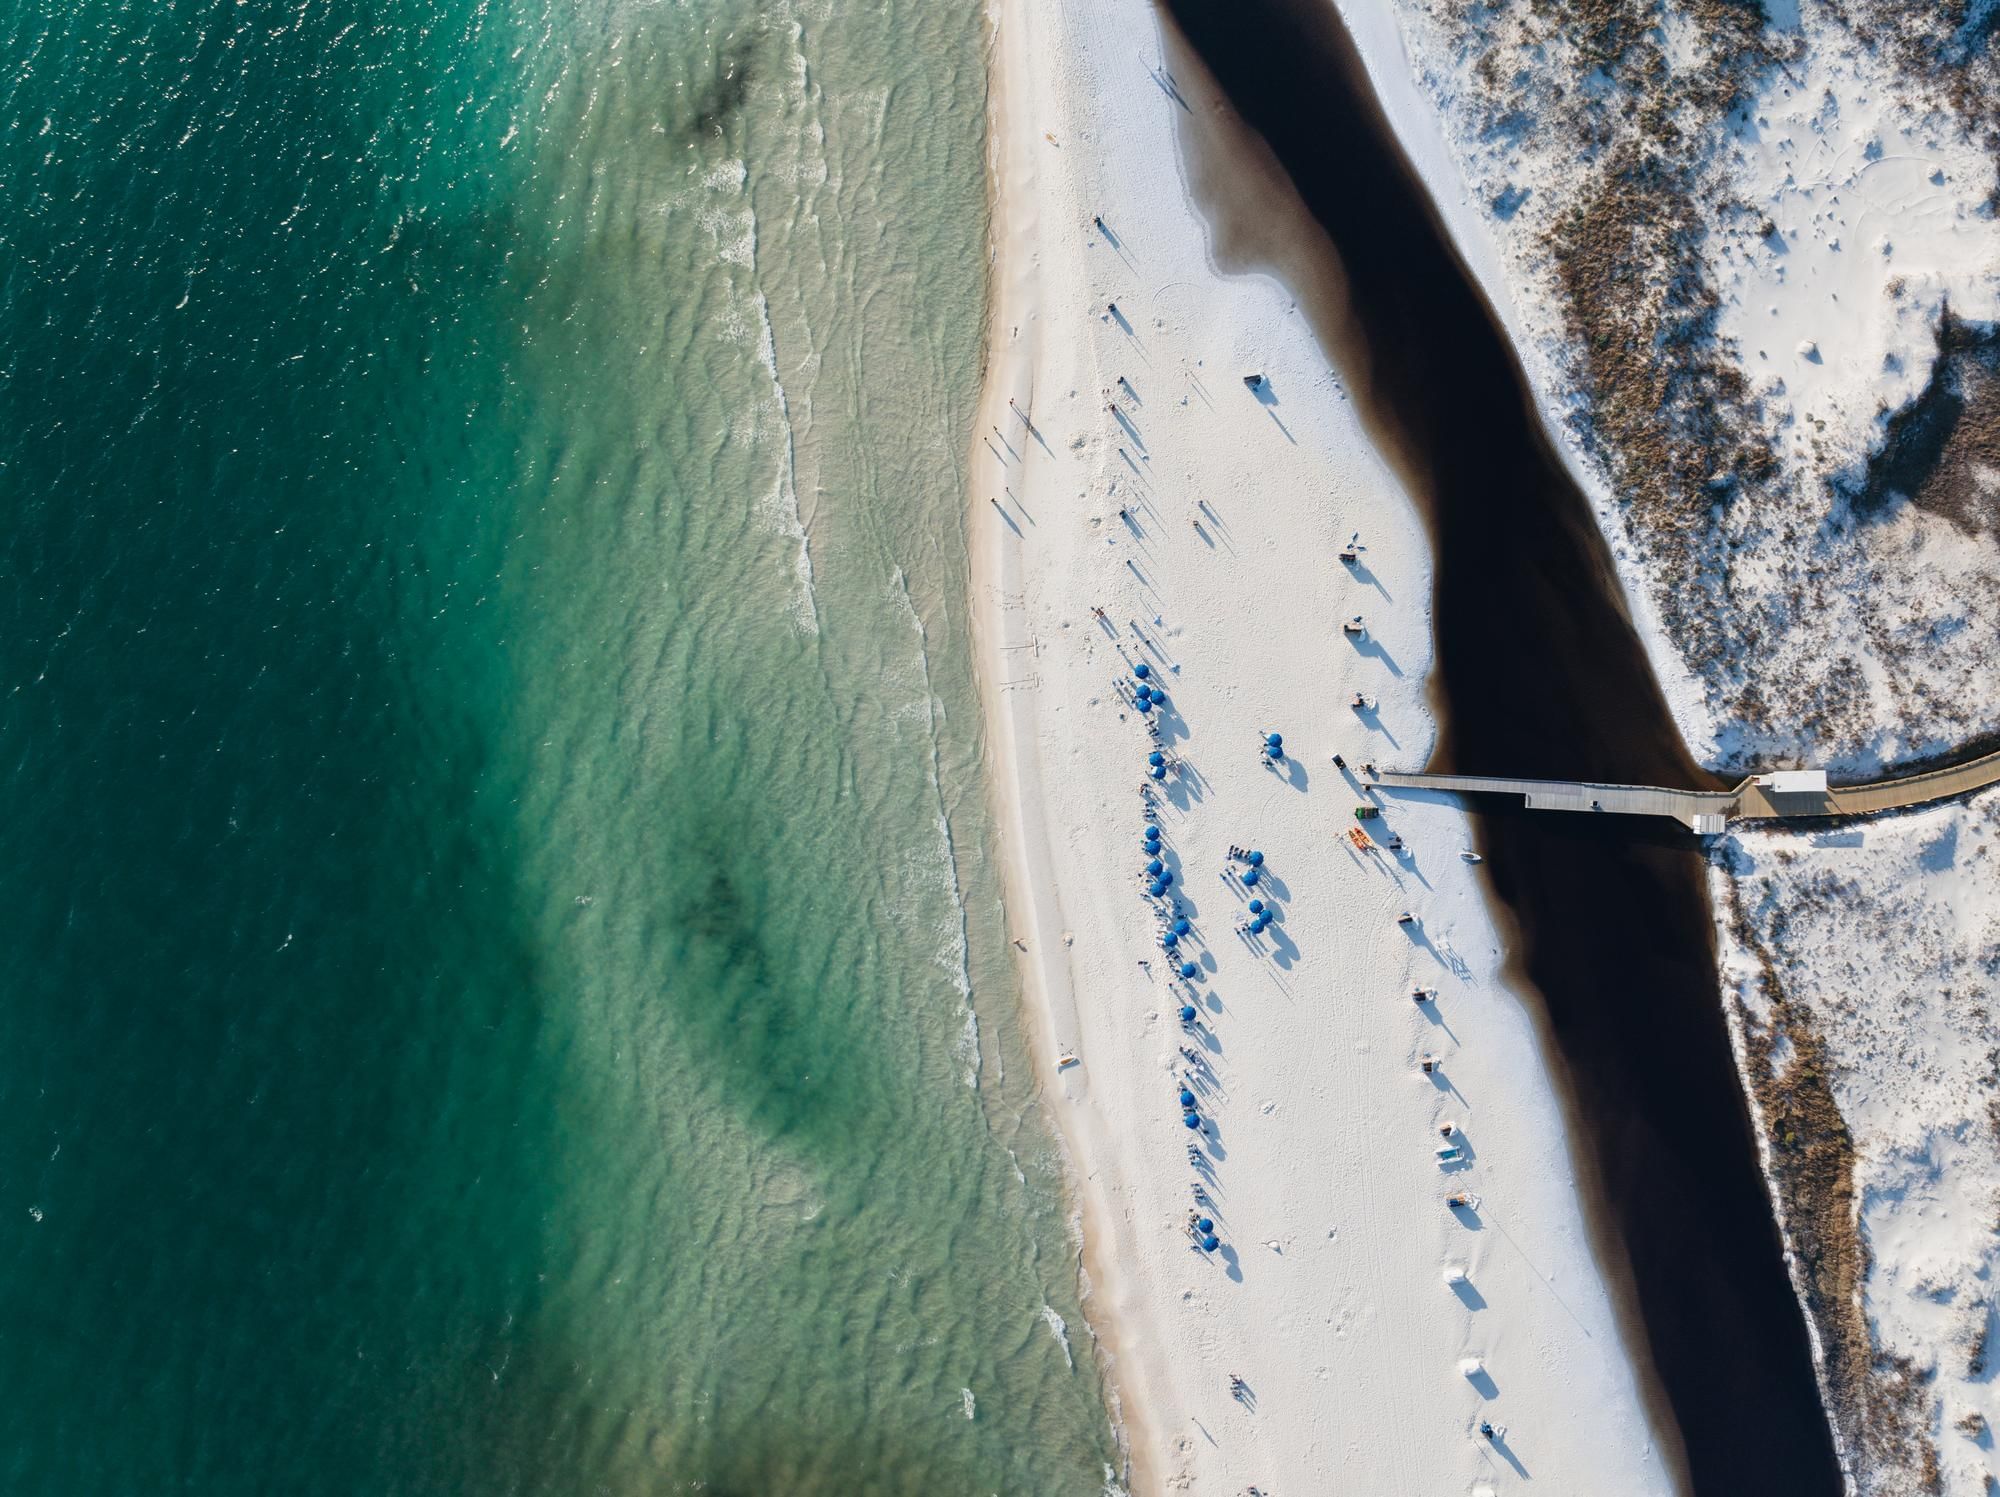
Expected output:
(1709, 812)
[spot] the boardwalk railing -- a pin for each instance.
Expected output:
(1709, 812)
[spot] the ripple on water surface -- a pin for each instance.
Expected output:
(492, 813)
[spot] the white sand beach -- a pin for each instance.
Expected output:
(1848, 190)
(1205, 520)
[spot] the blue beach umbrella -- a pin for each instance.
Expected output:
(1275, 740)
(1187, 1013)
(1144, 703)
(1191, 1119)
(1210, 1243)
(1256, 858)
(1152, 831)
(1256, 906)
(1142, 670)
(1159, 697)
(1181, 927)
(1158, 771)
(1187, 1098)
(1170, 940)
(1257, 925)
(1250, 877)
(1188, 969)
(1156, 888)
(1155, 867)
(1167, 877)
(1203, 1224)
(1156, 757)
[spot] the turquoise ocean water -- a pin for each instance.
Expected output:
(504, 987)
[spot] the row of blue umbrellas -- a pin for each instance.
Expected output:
(1202, 1230)
(1148, 696)
(1161, 878)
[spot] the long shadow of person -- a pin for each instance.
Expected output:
(1498, 1441)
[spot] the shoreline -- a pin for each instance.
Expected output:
(1025, 860)
(1307, 1301)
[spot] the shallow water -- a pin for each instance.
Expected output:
(506, 987)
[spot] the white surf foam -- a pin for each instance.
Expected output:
(1059, 1328)
(954, 953)
(785, 497)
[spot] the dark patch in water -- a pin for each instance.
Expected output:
(515, 1415)
(722, 98)
(788, 1049)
